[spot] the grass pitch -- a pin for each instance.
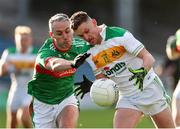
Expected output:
(104, 119)
(100, 118)
(93, 119)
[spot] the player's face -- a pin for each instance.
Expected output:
(23, 41)
(62, 34)
(89, 31)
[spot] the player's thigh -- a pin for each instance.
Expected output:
(16, 98)
(25, 103)
(43, 115)
(176, 111)
(13, 104)
(163, 119)
(68, 117)
(175, 106)
(27, 100)
(25, 112)
(67, 112)
(126, 118)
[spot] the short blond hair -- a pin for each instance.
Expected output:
(57, 18)
(22, 30)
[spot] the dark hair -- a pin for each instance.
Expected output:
(78, 18)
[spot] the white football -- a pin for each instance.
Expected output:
(104, 92)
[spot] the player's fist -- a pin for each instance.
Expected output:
(138, 76)
(79, 60)
(84, 86)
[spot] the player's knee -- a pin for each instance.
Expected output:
(67, 122)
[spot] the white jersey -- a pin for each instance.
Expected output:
(117, 52)
(20, 65)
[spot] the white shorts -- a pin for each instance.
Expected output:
(152, 100)
(18, 97)
(176, 94)
(45, 115)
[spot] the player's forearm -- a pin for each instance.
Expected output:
(58, 64)
(148, 62)
(148, 59)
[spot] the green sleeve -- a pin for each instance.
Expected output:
(42, 56)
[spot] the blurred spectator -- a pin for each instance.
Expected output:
(173, 52)
(168, 75)
(172, 67)
(18, 62)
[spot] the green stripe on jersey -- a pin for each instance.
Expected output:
(13, 50)
(112, 32)
(158, 83)
(135, 52)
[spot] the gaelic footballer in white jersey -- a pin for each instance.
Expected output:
(117, 52)
(21, 70)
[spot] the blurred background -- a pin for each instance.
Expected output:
(151, 22)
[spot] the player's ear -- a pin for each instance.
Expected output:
(94, 22)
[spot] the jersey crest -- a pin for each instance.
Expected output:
(108, 56)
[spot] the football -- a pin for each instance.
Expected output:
(104, 92)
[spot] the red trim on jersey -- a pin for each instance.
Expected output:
(47, 60)
(59, 74)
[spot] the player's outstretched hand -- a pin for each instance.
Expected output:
(84, 87)
(138, 76)
(79, 60)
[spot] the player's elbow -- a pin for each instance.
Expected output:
(152, 60)
(148, 61)
(149, 58)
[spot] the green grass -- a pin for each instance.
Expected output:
(3, 98)
(2, 119)
(94, 119)
(104, 119)
(88, 118)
